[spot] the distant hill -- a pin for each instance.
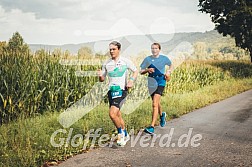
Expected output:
(134, 44)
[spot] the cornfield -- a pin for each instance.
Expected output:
(31, 85)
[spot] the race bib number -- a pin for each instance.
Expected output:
(116, 94)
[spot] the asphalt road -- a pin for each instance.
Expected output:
(217, 135)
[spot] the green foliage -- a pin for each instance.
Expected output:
(200, 50)
(31, 85)
(191, 76)
(3, 46)
(85, 52)
(234, 68)
(26, 142)
(16, 45)
(221, 49)
(34, 86)
(57, 52)
(66, 54)
(232, 18)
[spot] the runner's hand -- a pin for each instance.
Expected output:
(151, 70)
(130, 84)
(167, 77)
(99, 72)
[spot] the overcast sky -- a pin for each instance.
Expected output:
(78, 21)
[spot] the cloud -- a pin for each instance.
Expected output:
(183, 6)
(35, 30)
(70, 9)
(50, 9)
(67, 21)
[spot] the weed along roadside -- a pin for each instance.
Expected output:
(206, 82)
(37, 88)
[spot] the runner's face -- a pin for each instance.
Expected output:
(155, 50)
(114, 51)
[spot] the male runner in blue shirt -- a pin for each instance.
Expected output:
(154, 65)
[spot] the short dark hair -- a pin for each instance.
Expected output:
(158, 44)
(116, 44)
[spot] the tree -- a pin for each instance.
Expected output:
(85, 52)
(66, 54)
(232, 17)
(57, 52)
(200, 50)
(16, 44)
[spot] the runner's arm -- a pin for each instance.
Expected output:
(144, 67)
(169, 71)
(134, 76)
(102, 73)
(132, 79)
(147, 70)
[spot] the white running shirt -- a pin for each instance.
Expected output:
(118, 72)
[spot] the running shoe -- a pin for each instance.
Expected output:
(149, 130)
(162, 119)
(120, 139)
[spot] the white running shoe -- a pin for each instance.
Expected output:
(126, 138)
(120, 139)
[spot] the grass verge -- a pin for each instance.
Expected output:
(26, 142)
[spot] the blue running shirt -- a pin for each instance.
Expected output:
(159, 65)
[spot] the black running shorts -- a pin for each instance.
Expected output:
(159, 90)
(118, 101)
